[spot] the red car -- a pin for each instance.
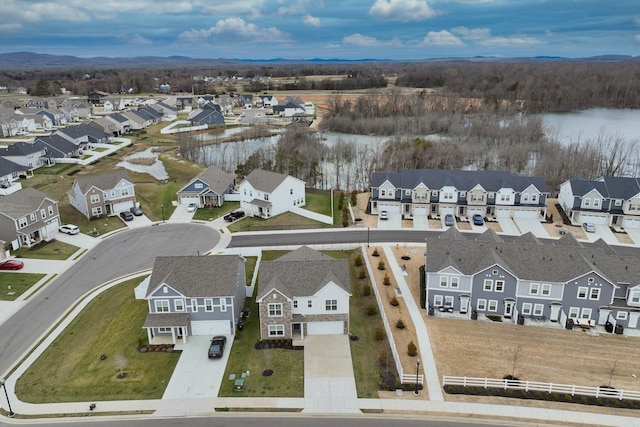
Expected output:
(12, 264)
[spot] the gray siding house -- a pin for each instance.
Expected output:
(27, 217)
(105, 194)
(208, 188)
(193, 295)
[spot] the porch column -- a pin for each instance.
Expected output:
(149, 335)
(173, 336)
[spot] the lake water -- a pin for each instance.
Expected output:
(583, 126)
(156, 170)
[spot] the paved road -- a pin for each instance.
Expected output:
(119, 255)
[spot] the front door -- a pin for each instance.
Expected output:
(555, 312)
(464, 305)
(508, 309)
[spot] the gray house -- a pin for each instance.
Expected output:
(27, 217)
(524, 279)
(193, 295)
(208, 188)
(104, 194)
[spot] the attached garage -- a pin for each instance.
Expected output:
(122, 206)
(390, 208)
(594, 219)
(503, 213)
(526, 213)
(52, 227)
(444, 210)
(631, 222)
(325, 328)
(210, 327)
(186, 200)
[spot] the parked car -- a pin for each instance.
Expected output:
(126, 216)
(449, 220)
(216, 349)
(477, 219)
(136, 211)
(589, 227)
(383, 216)
(11, 264)
(69, 229)
(192, 207)
(232, 216)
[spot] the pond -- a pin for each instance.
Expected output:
(156, 169)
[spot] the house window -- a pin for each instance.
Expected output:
(622, 315)
(124, 192)
(488, 285)
(223, 304)
(179, 303)
(596, 203)
(573, 312)
(534, 198)
(113, 193)
(43, 213)
(538, 309)
(499, 286)
(434, 193)
(454, 282)
(309, 303)
(33, 217)
(50, 209)
(208, 304)
(164, 330)
(463, 194)
(266, 196)
(295, 303)
(586, 313)
(95, 198)
(437, 300)
(22, 222)
(331, 305)
(582, 292)
(594, 294)
(291, 191)
(96, 211)
(165, 290)
(526, 308)
(448, 301)
(194, 305)
(586, 203)
(618, 202)
(482, 304)
(383, 193)
(494, 272)
(444, 281)
(447, 196)
(198, 185)
(634, 297)
(491, 195)
(477, 197)
(525, 198)
(162, 305)
(534, 288)
(493, 305)
(276, 330)
(546, 289)
(275, 309)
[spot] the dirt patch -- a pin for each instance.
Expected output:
(624, 238)
(494, 226)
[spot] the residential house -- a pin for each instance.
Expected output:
(106, 194)
(208, 188)
(290, 107)
(183, 102)
(105, 125)
(169, 113)
(304, 292)
(121, 122)
(194, 295)
(267, 101)
(83, 134)
(245, 100)
(266, 194)
(97, 97)
(526, 281)
(611, 201)
(135, 121)
(56, 147)
(28, 217)
(209, 114)
(437, 192)
(9, 173)
(26, 154)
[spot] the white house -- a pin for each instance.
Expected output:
(266, 194)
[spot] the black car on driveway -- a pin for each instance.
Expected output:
(216, 349)
(232, 216)
(126, 216)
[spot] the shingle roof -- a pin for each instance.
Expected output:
(77, 131)
(56, 145)
(216, 179)
(22, 202)
(104, 181)
(266, 181)
(8, 167)
(196, 276)
(19, 149)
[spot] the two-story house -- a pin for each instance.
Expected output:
(208, 188)
(304, 292)
(106, 194)
(193, 295)
(28, 217)
(266, 194)
(28, 155)
(610, 201)
(437, 192)
(524, 279)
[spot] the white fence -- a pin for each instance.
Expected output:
(404, 378)
(540, 386)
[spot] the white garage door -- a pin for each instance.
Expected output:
(184, 200)
(122, 206)
(631, 223)
(210, 327)
(525, 213)
(594, 219)
(472, 212)
(503, 213)
(52, 227)
(325, 328)
(447, 210)
(392, 209)
(420, 211)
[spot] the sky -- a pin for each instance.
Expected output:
(326, 29)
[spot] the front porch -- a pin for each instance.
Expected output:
(167, 328)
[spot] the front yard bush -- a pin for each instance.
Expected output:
(362, 274)
(394, 302)
(381, 265)
(400, 324)
(412, 350)
(371, 310)
(366, 290)
(386, 281)
(378, 333)
(358, 261)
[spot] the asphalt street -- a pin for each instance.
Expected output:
(122, 254)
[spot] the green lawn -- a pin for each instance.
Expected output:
(318, 201)
(249, 268)
(70, 370)
(12, 285)
(211, 213)
(54, 249)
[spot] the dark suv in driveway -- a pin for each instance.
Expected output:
(216, 349)
(232, 216)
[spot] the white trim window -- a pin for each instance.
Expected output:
(499, 287)
(585, 313)
(161, 305)
(276, 330)
(94, 198)
(50, 209)
(448, 301)
(481, 304)
(574, 312)
(582, 292)
(444, 281)
(622, 315)
(208, 304)
(331, 305)
(634, 297)
(43, 213)
(526, 308)
(455, 282)
(124, 192)
(295, 303)
(546, 289)
(487, 285)
(437, 300)
(538, 309)
(96, 211)
(594, 294)
(534, 288)
(194, 305)
(493, 305)
(22, 222)
(179, 304)
(275, 309)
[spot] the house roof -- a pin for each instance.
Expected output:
(103, 182)
(196, 276)
(22, 202)
(216, 179)
(8, 167)
(265, 181)
(302, 272)
(56, 145)
(166, 320)
(610, 187)
(19, 149)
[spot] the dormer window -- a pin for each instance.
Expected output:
(198, 185)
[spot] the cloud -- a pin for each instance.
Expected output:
(366, 41)
(472, 33)
(312, 20)
(402, 10)
(637, 38)
(511, 41)
(135, 39)
(10, 27)
(441, 38)
(234, 29)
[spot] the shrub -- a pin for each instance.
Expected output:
(382, 357)
(371, 310)
(386, 280)
(394, 301)
(412, 350)
(400, 324)
(354, 198)
(357, 261)
(375, 252)
(362, 274)
(366, 290)
(381, 265)
(378, 333)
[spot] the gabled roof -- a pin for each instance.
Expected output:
(78, 131)
(266, 181)
(301, 273)
(56, 145)
(103, 182)
(490, 236)
(196, 276)
(19, 149)
(215, 178)
(118, 117)
(22, 202)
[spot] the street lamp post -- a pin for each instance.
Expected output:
(367, 236)
(417, 370)
(162, 208)
(2, 383)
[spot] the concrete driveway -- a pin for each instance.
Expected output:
(421, 222)
(329, 384)
(603, 232)
(634, 233)
(196, 375)
(508, 226)
(531, 225)
(181, 214)
(394, 222)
